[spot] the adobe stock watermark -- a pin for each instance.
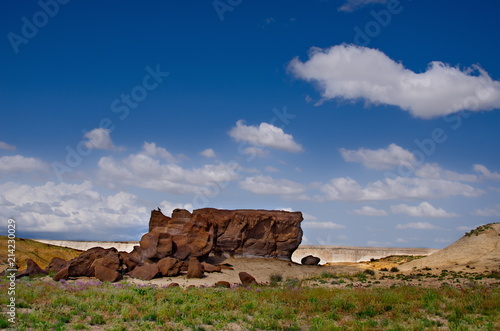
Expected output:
(280, 119)
(11, 271)
(381, 19)
(121, 106)
(428, 146)
(223, 6)
(30, 27)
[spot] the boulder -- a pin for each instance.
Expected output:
(247, 279)
(110, 261)
(222, 283)
(128, 261)
(61, 274)
(169, 267)
(32, 269)
(173, 285)
(83, 265)
(261, 233)
(105, 274)
(310, 260)
(56, 264)
(195, 269)
(207, 267)
(144, 272)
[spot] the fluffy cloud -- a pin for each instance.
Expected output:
(486, 173)
(209, 152)
(369, 211)
(100, 139)
(146, 171)
(19, 163)
(417, 226)
(152, 150)
(75, 210)
(322, 225)
(424, 209)
(346, 188)
(384, 158)
(352, 5)
(434, 171)
(488, 212)
(7, 146)
(352, 72)
(269, 185)
(265, 135)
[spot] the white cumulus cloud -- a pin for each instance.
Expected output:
(434, 171)
(209, 152)
(369, 211)
(265, 135)
(351, 72)
(100, 138)
(147, 171)
(384, 158)
(424, 209)
(19, 163)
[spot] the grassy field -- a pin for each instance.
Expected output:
(43, 304)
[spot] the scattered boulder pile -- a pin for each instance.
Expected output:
(184, 242)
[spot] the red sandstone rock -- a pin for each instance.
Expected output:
(310, 260)
(247, 279)
(261, 233)
(106, 274)
(61, 274)
(32, 269)
(195, 270)
(145, 272)
(169, 267)
(83, 264)
(207, 267)
(56, 264)
(222, 283)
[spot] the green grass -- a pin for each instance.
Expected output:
(47, 305)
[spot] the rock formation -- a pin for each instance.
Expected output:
(310, 260)
(182, 243)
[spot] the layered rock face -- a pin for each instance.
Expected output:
(181, 242)
(250, 233)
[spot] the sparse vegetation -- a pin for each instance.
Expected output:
(478, 230)
(78, 305)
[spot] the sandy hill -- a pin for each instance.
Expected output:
(38, 252)
(478, 250)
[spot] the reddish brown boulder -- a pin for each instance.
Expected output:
(110, 261)
(32, 270)
(83, 264)
(247, 279)
(145, 272)
(169, 267)
(173, 285)
(129, 263)
(61, 274)
(207, 267)
(274, 234)
(222, 283)
(56, 264)
(195, 270)
(106, 274)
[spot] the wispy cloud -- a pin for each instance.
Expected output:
(417, 226)
(351, 72)
(424, 209)
(384, 158)
(6, 146)
(209, 152)
(369, 211)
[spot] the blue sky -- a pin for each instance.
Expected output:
(379, 120)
